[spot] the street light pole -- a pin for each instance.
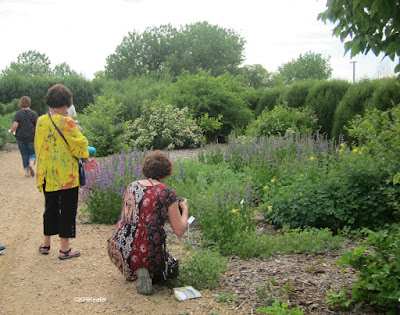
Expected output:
(354, 70)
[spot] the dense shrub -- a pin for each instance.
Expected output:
(353, 103)
(163, 126)
(102, 126)
(377, 264)
(323, 98)
(352, 192)
(283, 119)
(14, 86)
(379, 132)
(386, 94)
(295, 95)
(132, 93)
(202, 93)
(269, 99)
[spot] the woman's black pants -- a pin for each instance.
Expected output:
(60, 212)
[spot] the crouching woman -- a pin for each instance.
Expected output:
(138, 244)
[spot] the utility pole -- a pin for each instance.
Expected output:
(354, 70)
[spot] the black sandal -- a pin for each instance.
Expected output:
(46, 249)
(67, 255)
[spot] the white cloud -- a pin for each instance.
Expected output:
(83, 33)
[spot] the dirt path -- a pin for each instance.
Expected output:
(32, 283)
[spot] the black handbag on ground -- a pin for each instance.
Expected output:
(82, 174)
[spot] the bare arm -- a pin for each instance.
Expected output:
(13, 127)
(178, 222)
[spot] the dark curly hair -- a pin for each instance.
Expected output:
(157, 165)
(58, 96)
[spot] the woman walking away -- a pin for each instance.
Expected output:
(59, 144)
(147, 204)
(24, 127)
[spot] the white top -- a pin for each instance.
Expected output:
(72, 113)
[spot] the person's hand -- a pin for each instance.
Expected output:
(183, 204)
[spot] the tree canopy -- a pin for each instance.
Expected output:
(30, 63)
(194, 47)
(366, 25)
(308, 66)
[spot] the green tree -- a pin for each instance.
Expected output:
(206, 47)
(308, 66)
(256, 75)
(193, 47)
(63, 70)
(365, 25)
(30, 63)
(140, 54)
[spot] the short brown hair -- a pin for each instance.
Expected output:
(24, 102)
(157, 165)
(58, 96)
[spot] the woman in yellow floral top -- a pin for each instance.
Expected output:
(57, 171)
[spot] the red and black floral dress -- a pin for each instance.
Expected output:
(148, 216)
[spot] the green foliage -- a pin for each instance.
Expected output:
(226, 297)
(202, 270)
(283, 119)
(323, 98)
(14, 86)
(204, 94)
(269, 99)
(5, 124)
(163, 126)
(256, 75)
(352, 103)
(350, 192)
(386, 94)
(308, 66)
(366, 25)
(295, 95)
(193, 47)
(29, 64)
(377, 263)
(132, 93)
(210, 125)
(278, 308)
(379, 132)
(102, 126)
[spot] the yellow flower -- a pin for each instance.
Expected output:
(312, 158)
(234, 211)
(340, 151)
(355, 150)
(360, 152)
(265, 187)
(269, 208)
(342, 145)
(273, 180)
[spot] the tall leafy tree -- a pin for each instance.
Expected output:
(256, 75)
(365, 25)
(30, 63)
(195, 47)
(308, 66)
(63, 70)
(140, 54)
(201, 46)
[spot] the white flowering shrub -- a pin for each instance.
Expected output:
(163, 126)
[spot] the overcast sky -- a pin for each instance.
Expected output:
(83, 33)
